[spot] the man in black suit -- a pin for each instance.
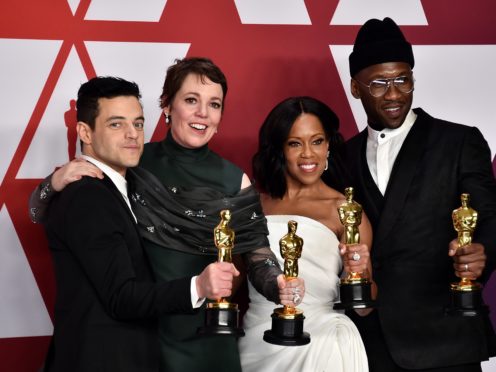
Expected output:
(409, 170)
(107, 298)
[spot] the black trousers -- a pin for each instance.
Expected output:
(378, 354)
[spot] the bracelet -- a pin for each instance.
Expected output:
(46, 190)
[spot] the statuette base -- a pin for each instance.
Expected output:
(221, 318)
(287, 331)
(354, 295)
(222, 305)
(466, 301)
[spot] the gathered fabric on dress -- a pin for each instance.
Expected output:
(335, 342)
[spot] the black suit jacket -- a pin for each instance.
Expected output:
(106, 297)
(412, 228)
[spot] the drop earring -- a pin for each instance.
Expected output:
(167, 118)
(327, 161)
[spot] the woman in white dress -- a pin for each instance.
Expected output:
(294, 146)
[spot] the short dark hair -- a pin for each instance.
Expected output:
(177, 73)
(101, 87)
(269, 164)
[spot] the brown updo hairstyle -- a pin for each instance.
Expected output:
(177, 73)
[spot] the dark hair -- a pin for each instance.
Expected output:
(177, 73)
(101, 87)
(269, 164)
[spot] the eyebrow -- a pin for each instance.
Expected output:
(115, 117)
(401, 73)
(299, 138)
(391, 78)
(198, 94)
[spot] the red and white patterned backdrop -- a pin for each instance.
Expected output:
(269, 50)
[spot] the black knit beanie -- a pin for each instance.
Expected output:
(379, 42)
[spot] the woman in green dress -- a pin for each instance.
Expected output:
(178, 208)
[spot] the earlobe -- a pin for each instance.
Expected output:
(166, 111)
(355, 92)
(84, 132)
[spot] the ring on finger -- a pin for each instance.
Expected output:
(296, 299)
(466, 267)
(356, 256)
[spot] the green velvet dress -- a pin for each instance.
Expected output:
(181, 348)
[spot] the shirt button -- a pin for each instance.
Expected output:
(383, 135)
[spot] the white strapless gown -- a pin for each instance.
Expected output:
(335, 342)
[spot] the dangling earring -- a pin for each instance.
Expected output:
(327, 161)
(167, 118)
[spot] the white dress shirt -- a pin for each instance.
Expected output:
(383, 148)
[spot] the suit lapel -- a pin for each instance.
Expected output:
(115, 191)
(371, 197)
(402, 174)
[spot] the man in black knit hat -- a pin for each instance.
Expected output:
(409, 170)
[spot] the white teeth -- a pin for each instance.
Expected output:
(198, 126)
(308, 166)
(393, 109)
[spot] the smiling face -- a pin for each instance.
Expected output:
(391, 109)
(117, 138)
(196, 111)
(305, 151)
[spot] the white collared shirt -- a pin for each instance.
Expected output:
(383, 148)
(118, 180)
(121, 184)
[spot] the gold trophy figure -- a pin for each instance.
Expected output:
(466, 299)
(287, 321)
(222, 316)
(224, 237)
(355, 290)
(291, 246)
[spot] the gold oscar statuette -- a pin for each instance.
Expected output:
(287, 321)
(466, 298)
(222, 316)
(354, 289)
